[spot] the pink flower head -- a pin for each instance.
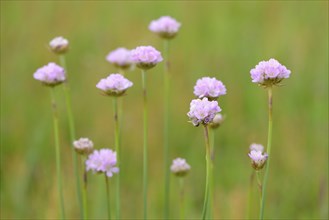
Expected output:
(268, 73)
(258, 159)
(209, 87)
(180, 167)
(256, 147)
(114, 85)
(50, 75)
(146, 57)
(59, 45)
(121, 57)
(166, 27)
(203, 111)
(102, 161)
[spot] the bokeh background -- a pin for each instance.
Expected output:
(224, 39)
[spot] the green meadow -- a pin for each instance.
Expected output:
(222, 39)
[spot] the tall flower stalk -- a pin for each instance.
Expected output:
(60, 46)
(202, 112)
(52, 75)
(145, 57)
(268, 74)
(167, 28)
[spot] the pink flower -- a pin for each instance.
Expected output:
(102, 161)
(165, 26)
(209, 87)
(121, 57)
(146, 57)
(114, 85)
(50, 75)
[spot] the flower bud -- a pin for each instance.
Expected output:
(217, 121)
(83, 146)
(180, 167)
(59, 45)
(258, 159)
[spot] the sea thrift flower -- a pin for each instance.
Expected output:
(50, 75)
(256, 147)
(203, 111)
(166, 27)
(217, 121)
(180, 167)
(114, 85)
(83, 146)
(209, 87)
(258, 159)
(120, 57)
(268, 73)
(59, 45)
(146, 57)
(103, 161)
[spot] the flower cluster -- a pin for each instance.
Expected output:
(257, 156)
(114, 85)
(209, 87)
(166, 27)
(83, 146)
(268, 73)
(50, 75)
(146, 57)
(203, 111)
(102, 161)
(121, 58)
(180, 167)
(59, 45)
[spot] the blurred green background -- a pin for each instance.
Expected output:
(224, 39)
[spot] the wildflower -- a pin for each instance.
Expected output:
(268, 73)
(217, 121)
(121, 58)
(258, 159)
(114, 85)
(59, 45)
(203, 111)
(166, 27)
(146, 57)
(83, 146)
(256, 147)
(209, 87)
(102, 161)
(180, 167)
(50, 75)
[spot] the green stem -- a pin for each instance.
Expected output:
(108, 196)
(117, 149)
(259, 183)
(211, 183)
(181, 194)
(269, 142)
(208, 176)
(84, 190)
(145, 143)
(58, 154)
(251, 183)
(72, 138)
(166, 80)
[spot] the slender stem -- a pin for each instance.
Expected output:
(108, 196)
(84, 190)
(208, 176)
(269, 142)
(211, 183)
(145, 143)
(259, 183)
(66, 89)
(181, 194)
(58, 154)
(117, 149)
(166, 88)
(251, 183)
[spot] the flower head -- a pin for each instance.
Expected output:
(102, 161)
(114, 85)
(59, 45)
(146, 57)
(166, 27)
(180, 167)
(50, 75)
(217, 121)
(83, 146)
(258, 159)
(203, 111)
(209, 87)
(121, 58)
(256, 147)
(268, 73)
